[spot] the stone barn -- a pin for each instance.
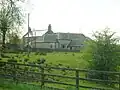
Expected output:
(51, 40)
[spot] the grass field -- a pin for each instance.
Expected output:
(8, 85)
(69, 59)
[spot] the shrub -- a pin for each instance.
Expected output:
(65, 52)
(73, 54)
(102, 55)
(43, 53)
(36, 53)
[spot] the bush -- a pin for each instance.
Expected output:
(43, 53)
(102, 55)
(36, 53)
(65, 52)
(73, 54)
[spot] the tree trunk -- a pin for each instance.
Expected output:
(3, 41)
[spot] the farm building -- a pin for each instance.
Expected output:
(51, 40)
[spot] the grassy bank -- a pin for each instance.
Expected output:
(73, 60)
(8, 85)
(69, 59)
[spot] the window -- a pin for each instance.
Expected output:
(50, 46)
(63, 46)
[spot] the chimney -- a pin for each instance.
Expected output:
(49, 27)
(49, 30)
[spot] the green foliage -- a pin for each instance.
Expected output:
(10, 17)
(14, 70)
(102, 54)
(41, 53)
(7, 85)
(58, 59)
(14, 38)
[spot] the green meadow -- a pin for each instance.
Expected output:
(65, 59)
(8, 85)
(73, 60)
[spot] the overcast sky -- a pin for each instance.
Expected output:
(77, 16)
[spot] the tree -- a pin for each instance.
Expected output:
(10, 17)
(14, 38)
(102, 54)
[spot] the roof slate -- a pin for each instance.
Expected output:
(74, 39)
(50, 37)
(77, 42)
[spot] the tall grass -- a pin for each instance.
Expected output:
(8, 85)
(71, 60)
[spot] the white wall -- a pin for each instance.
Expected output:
(45, 45)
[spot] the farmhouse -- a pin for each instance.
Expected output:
(51, 40)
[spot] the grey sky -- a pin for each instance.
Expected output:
(78, 16)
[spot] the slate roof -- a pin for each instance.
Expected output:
(77, 42)
(70, 36)
(50, 37)
(63, 35)
(67, 42)
(49, 32)
(74, 39)
(73, 36)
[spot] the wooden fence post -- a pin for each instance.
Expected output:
(14, 72)
(5, 68)
(119, 82)
(77, 80)
(42, 76)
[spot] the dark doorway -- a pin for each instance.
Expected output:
(63, 46)
(50, 46)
